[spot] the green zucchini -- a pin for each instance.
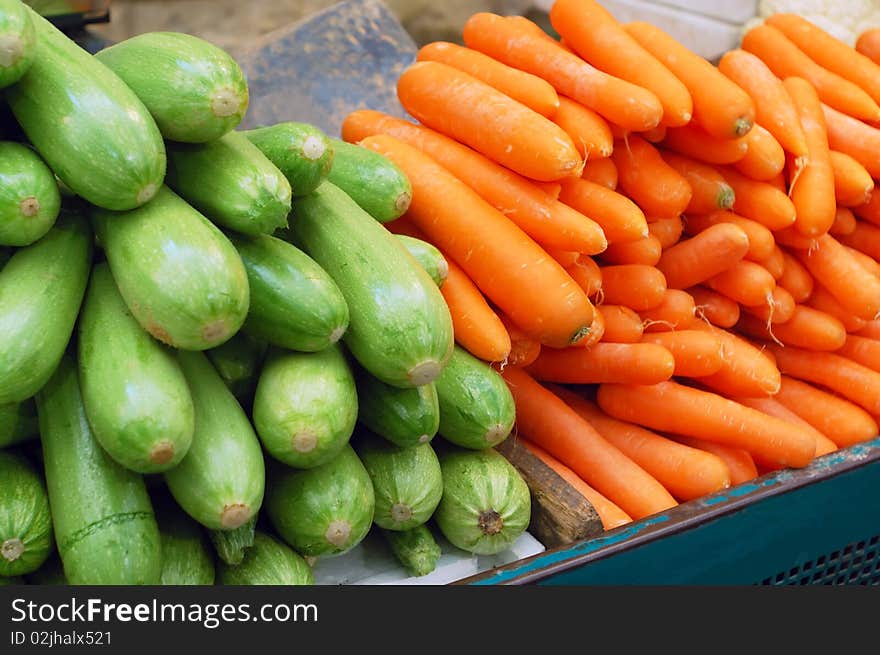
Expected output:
(186, 553)
(268, 562)
(18, 422)
(415, 549)
(25, 521)
(92, 130)
(406, 481)
(485, 505)
(405, 417)
(50, 574)
(301, 151)
(294, 303)
(29, 196)
(231, 545)
(136, 398)
(324, 511)
(428, 257)
(180, 276)
(231, 182)
(239, 362)
(306, 406)
(221, 480)
(372, 180)
(476, 407)
(194, 90)
(104, 523)
(37, 317)
(17, 41)
(15, 580)
(399, 325)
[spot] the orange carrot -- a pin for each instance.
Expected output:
(636, 363)
(852, 182)
(636, 286)
(774, 108)
(676, 312)
(523, 45)
(773, 407)
(549, 222)
(780, 182)
(655, 186)
(552, 189)
(761, 242)
(464, 108)
(853, 137)
(871, 330)
(523, 348)
(747, 371)
(686, 472)
(622, 325)
(868, 44)
(807, 328)
(597, 331)
(739, 463)
(666, 230)
(865, 238)
(587, 274)
(760, 201)
(862, 350)
(775, 263)
(779, 309)
(697, 353)
(791, 238)
(508, 267)
(548, 422)
(644, 251)
(845, 223)
(601, 171)
(672, 407)
(842, 421)
(655, 135)
(867, 262)
(715, 308)
(764, 158)
(823, 301)
(565, 258)
(702, 257)
(609, 513)
(587, 129)
(692, 141)
(745, 282)
(785, 59)
(710, 191)
(619, 217)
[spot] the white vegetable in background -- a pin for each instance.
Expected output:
(845, 20)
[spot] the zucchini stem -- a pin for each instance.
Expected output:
(12, 549)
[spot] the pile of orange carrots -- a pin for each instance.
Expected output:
(690, 249)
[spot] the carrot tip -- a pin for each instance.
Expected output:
(726, 197)
(743, 126)
(580, 334)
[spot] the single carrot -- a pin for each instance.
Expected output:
(764, 158)
(530, 90)
(545, 420)
(686, 472)
(622, 325)
(619, 217)
(775, 263)
(672, 407)
(713, 307)
(842, 421)
(773, 407)
(779, 309)
(523, 45)
(853, 137)
(644, 251)
(747, 370)
(791, 238)
(523, 348)
(845, 223)
(587, 274)
(774, 108)
(645, 177)
(862, 350)
(549, 222)
(854, 287)
(636, 286)
(760, 201)
(807, 328)
(508, 267)
(609, 513)
(692, 140)
(703, 256)
(667, 231)
(745, 282)
(785, 59)
(868, 44)
(823, 301)
(565, 258)
(865, 238)
(867, 262)
(852, 181)
(761, 241)
(739, 463)
(588, 130)
(601, 171)
(676, 312)
(697, 353)
(636, 363)
(710, 191)
(871, 330)
(506, 131)
(829, 52)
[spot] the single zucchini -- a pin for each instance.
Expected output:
(405, 417)
(103, 519)
(29, 196)
(186, 553)
(415, 549)
(17, 41)
(268, 562)
(324, 511)
(306, 406)
(25, 521)
(399, 325)
(428, 257)
(294, 304)
(37, 317)
(301, 151)
(92, 130)
(476, 407)
(485, 505)
(372, 180)
(406, 481)
(180, 276)
(221, 480)
(136, 397)
(194, 90)
(18, 422)
(231, 182)
(239, 362)
(231, 545)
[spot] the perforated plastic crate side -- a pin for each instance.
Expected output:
(857, 563)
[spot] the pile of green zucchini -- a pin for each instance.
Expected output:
(216, 364)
